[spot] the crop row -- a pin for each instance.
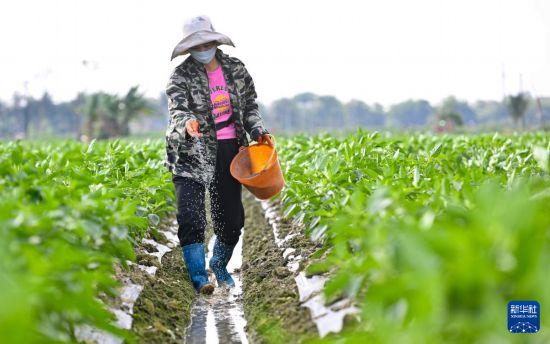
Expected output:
(431, 235)
(68, 213)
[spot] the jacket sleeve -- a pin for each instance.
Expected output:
(251, 115)
(177, 93)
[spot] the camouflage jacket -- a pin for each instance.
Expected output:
(189, 98)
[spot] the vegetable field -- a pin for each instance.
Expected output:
(431, 236)
(68, 212)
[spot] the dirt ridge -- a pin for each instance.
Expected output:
(271, 301)
(162, 311)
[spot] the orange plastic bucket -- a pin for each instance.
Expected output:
(257, 168)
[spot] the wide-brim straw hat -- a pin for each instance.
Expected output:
(198, 30)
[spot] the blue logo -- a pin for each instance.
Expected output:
(523, 316)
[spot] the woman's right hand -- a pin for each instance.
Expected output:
(192, 127)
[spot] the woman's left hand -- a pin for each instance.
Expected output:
(266, 138)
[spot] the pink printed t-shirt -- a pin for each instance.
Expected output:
(221, 103)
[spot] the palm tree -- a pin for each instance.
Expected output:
(131, 106)
(113, 113)
(90, 112)
(517, 106)
(110, 113)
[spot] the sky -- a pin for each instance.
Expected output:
(375, 51)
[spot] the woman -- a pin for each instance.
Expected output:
(212, 104)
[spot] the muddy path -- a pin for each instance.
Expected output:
(264, 306)
(219, 318)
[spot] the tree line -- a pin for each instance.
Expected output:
(98, 115)
(311, 112)
(104, 115)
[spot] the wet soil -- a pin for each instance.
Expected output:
(270, 299)
(219, 318)
(161, 313)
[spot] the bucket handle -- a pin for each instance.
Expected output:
(272, 154)
(270, 157)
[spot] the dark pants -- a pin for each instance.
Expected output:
(225, 198)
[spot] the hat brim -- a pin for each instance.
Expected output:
(197, 38)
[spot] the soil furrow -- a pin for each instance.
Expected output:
(161, 312)
(218, 318)
(271, 301)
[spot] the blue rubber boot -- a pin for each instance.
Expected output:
(193, 256)
(218, 263)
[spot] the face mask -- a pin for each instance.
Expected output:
(204, 56)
